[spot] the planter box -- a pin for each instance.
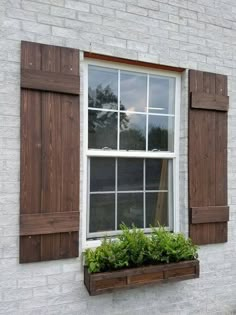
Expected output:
(98, 283)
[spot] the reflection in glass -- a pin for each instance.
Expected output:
(130, 209)
(156, 209)
(102, 129)
(156, 174)
(132, 134)
(102, 213)
(102, 87)
(133, 91)
(161, 95)
(102, 174)
(130, 174)
(160, 133)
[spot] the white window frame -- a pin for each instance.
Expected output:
(174, 156)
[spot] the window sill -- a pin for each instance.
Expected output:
(104, 282)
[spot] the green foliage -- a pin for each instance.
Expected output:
(136, 245)
(170, 247)
(134, 248)
(110, 255)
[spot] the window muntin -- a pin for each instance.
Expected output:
(129, 190)
(145, 125)
(126, 112)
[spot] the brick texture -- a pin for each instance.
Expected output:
(190, 34)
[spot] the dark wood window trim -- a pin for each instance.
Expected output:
(132, 62)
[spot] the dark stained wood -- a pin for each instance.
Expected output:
(207, 158)
(99, 283)
(50, 81)
(180, 272)
(113, 283)
(70, 151)
(208, 233)
(48, 223)
(31, 151)
(145, 277)
(132, 62)
(51, 160)
(50, 153)
(209, 214)
(209, 101)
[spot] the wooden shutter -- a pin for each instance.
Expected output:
(209, 211)
(50, 159)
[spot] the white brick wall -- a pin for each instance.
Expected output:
(196, 34)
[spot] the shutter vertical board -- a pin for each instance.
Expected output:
(50, 158)
(70, 185)
(207, 155)
(70, 166)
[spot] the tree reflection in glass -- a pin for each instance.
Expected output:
(103, 88)
(133, 134)
(160, 133)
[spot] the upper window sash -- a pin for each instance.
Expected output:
(150, 73)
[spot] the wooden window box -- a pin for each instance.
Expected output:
(102, 282)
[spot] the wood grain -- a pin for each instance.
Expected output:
(49, 223)
(209, 101)
(209, 214)
(50, 81)
(207, 157)
(99, 283)
(50, 133)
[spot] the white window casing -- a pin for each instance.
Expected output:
(87, 153)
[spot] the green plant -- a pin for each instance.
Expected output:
(136, 245)
(110, 255)
(133, 248)
(170, 247)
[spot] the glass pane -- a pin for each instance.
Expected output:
(102, 174)
(133, 132)
(130, 209)
(160, 133)
(102, 213)
(102, 129)
(161, 95)
(102, 87)
(156, 174)
(130, 174)
(156, 209)
(133, 91)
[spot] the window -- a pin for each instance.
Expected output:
(131, 147)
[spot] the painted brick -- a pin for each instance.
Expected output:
(50, 20)
(137, 46)
(32, 282)
(16, 294)
(137, 10)
(36, 28)
(63, 12)
(115, 5)
(117, 42)
(77, 5)
(90, 18)
(99, 10)
(21, 14)
(63, 32)
(192, 34)
(34, 6)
